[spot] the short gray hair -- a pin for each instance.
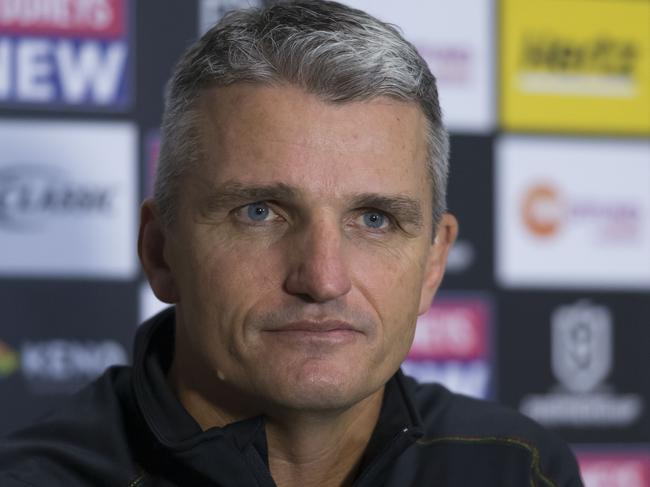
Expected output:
(333, 51)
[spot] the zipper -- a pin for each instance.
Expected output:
(398, 444)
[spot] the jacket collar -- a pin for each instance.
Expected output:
(243, 443)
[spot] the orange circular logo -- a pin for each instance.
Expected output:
(542, 210)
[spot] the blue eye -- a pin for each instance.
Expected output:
(374, 219)
(257, 211)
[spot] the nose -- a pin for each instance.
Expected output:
(318, 271)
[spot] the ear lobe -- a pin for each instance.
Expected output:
(437, 259)
(151, 250)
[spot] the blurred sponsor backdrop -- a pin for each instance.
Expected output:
(546, 304)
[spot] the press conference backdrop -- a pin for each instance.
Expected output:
(546, 304)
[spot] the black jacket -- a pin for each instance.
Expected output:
(127, 429)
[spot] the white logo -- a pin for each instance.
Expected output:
(31, 194)
(68, 199)
(68, 53)
(581, 359)
(68, 360)
(63, 366)
(86, 74)
(581, 349)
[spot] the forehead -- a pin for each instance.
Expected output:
(269, 134)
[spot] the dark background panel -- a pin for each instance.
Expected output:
(164, 30)
(470, 199)
(56, 335)
(525, 357)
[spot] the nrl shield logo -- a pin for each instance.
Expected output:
(581, 348)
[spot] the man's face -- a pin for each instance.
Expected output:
(302, 250)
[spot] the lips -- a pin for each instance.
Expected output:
(327, 333)
(328, 326)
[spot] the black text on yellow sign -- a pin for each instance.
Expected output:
(575, 65)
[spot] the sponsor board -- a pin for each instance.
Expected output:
(469, 198)
(452, 345)
(210, 11)
(68, 199)
(55, 337)
(560, 74)
(8, 360)
(581, 361)
(152, 148)
(461, 257)
(457, 47)
(572, 213)
(65, 54)
(58, 366)
(616, 467)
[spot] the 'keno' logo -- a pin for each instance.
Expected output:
(61, 360)
(9, 360)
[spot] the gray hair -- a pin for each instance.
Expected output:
(333, 51)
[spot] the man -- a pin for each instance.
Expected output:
(298, 225)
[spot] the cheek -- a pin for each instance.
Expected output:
(233, 282)
(392, 279)
(221, 282)
(225, 288)
(391, 283)
(220, 263)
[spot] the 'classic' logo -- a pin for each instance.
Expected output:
(30, 194)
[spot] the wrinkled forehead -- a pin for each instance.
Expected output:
(283, 128)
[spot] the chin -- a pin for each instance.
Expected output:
(317, 399)
(321, 388)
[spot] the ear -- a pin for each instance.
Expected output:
(446, 234)
(152, 241)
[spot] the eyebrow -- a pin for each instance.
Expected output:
(405, 209)
(228, 194)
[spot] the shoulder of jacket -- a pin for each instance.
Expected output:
(447, 413)
(10, 480)
(83, 438)
(455, 418)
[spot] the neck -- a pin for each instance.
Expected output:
(305, 448)
(321, 449)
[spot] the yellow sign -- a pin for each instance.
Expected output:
(575, 65)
